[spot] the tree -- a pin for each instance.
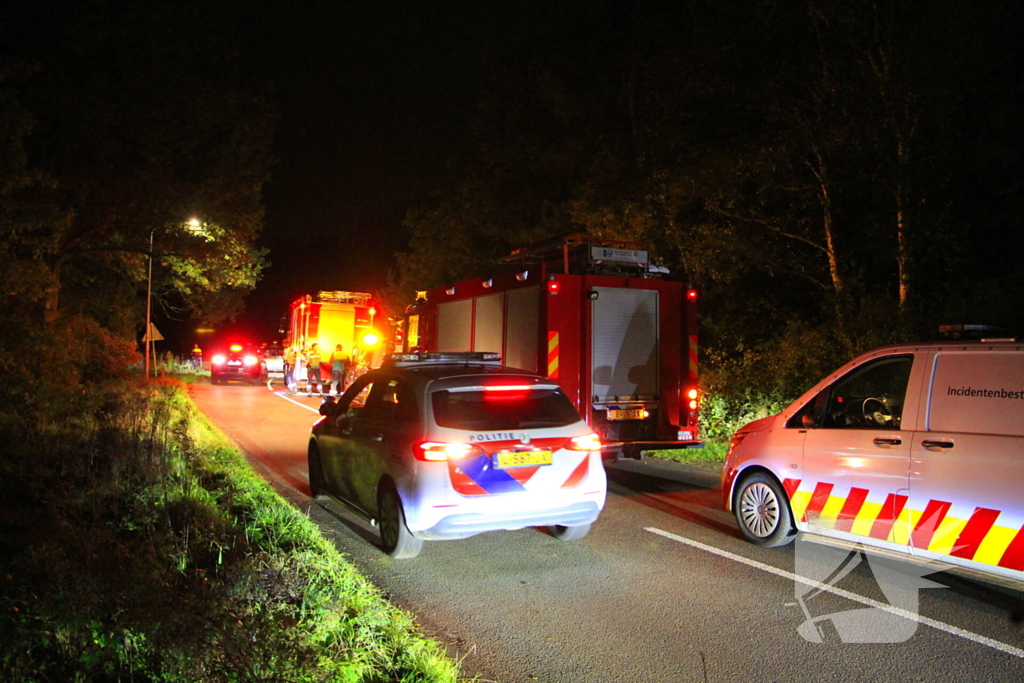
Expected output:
(144, 119)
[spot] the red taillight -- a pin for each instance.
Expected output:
(508, 387)
(692, 395)
(553, 286)
(435, 451)
(506, 392)
(251, 360)
(218, 359)
(587, 442)
(691, 294)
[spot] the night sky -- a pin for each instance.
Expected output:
(374, 101)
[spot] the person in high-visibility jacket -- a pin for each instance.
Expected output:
(339, 365)
(289, 368)
(313, 382)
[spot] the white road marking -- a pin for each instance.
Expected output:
(941, 626)
(292, 400)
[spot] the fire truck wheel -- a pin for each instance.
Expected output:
(569, 533)
(396, 539)
(316, 470)
(762, 511)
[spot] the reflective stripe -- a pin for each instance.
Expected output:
(553, 355)
(978, 538)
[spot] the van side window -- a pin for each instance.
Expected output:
(869, 397)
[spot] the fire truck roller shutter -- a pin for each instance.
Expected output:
(489, 324)
(455, 326)
(521, 329)
(625, 344)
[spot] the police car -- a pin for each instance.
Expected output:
(913, 449)
(444, 446)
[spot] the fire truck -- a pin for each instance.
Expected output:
(335, 317)
(599, 316)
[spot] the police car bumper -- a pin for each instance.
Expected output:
(463, 525)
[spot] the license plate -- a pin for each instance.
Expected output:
(631, 414)
(504, 461)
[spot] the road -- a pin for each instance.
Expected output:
(663, 589)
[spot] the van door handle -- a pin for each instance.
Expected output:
(887, 441)
(929, 443)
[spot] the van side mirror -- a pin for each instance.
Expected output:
(807, 420)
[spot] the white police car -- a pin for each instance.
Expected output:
(447, 445)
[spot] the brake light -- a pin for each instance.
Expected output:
(508, 387)
(218, 359)
(691, 294)
(436, 451)
(251, 360)
(735, 441)
(236, 347)
(692, 395)
(587, 442)
(553, 286)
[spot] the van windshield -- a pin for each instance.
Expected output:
(485, 411)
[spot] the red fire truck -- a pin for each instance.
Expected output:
(335, 317)
(600, 317)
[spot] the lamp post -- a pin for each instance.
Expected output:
(149, 303)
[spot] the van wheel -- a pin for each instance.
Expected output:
(569, 533)
(763, 513)
(396, 539)
(316, 470)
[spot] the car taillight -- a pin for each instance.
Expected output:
(218, 359)
(251, 360)
(735, 441)
(434, 451)
(506, 392)
(588, 442)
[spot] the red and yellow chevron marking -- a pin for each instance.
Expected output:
(553, 355)
(693, 356)
(979, 537)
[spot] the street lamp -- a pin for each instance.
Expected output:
(149, 303)
(196, 228)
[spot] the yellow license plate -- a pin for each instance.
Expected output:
(504, 461)
(632, 414)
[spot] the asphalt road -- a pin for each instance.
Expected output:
(663, 589)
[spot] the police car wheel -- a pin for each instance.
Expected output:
(396, 539)
(316, 470)
(762, 511)
(569, 533)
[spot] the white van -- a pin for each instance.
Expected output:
(914, 448)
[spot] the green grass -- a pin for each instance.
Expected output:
(710, 457)
(137, 544)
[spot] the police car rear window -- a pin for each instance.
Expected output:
(483, 411)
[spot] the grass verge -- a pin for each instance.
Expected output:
(137, 545)
(711, 457)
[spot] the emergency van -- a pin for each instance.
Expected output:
(914, 448)
(600, 317)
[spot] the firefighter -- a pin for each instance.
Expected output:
(197, 357)
(313, 382)
(339, 364)
(289, 368)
